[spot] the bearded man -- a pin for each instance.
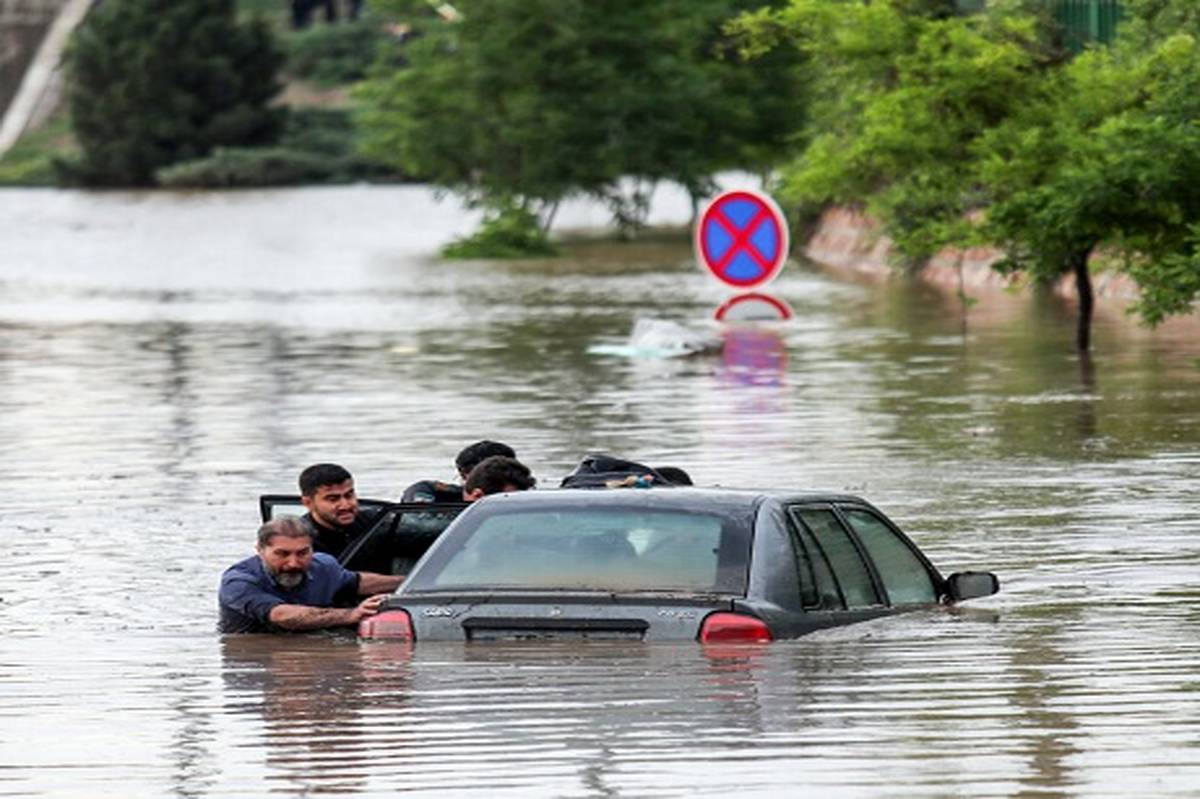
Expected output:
(286, 586)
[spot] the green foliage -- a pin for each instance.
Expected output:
(977, 129)
(318, 146)
(330, 55)
(155, 82)
(508, 232)
(527, 103)
(1109, 158)
(905, 91)
(30, 162)
(232, 167)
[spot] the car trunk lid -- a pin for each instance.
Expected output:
(582, 616)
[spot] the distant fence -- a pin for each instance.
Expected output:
(1084, 21)
(1088, 21)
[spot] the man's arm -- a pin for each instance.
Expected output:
(371, 583)
(307, 617)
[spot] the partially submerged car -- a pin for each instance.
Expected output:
(664, 564)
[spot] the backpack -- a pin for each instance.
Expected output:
(605, 471)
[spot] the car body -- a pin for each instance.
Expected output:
(662, 564)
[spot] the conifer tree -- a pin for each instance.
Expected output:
(154, 82)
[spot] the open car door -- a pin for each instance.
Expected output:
(400, 536)
(401, 533)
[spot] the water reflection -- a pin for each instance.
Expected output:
(753, 356)
(313, 694)
(1038, 663)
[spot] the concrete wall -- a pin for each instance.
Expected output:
(849, 242)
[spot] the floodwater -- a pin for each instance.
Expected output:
(166, 358)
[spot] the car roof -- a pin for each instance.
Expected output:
(683, 498)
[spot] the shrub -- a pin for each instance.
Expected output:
(236, 167)
(318, 146)
(156, 82)
(509, 232)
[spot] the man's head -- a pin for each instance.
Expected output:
(285, 547)
(474, 454)
(327, 490)
(495, 475)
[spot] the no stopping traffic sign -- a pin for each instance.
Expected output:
(741, 238)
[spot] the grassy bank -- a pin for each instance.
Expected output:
(30, 162)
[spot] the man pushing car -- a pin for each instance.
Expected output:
(286, 586)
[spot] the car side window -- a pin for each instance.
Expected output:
(848, 567)
(818, 589)
(905, 577)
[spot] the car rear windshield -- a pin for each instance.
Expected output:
(605, 549)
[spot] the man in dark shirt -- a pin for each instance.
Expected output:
(287, 586)
(327, 491)
(467, 459)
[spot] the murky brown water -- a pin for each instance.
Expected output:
(165, 359)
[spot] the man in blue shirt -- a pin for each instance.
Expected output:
(288, 587)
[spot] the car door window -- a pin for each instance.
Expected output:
(818, 589)
(400, 537)
(905, 577)
(847, 564)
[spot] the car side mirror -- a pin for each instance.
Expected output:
(969, 585)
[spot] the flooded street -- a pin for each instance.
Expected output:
(165, 359)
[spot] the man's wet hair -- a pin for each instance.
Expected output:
(322, 474)
(497, 473)
(286, 526)
(474, 454)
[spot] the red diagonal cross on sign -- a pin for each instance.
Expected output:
(741, 239)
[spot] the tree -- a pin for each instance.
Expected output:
(1108, 161)
(906, 89)
(524, 104)
(977, 130)
(154, 82)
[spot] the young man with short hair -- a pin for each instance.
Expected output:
(327, 491)
(497, 475)
(286, 586)
(467, 459)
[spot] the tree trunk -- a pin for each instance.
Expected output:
(1083, 287)
(548, 217)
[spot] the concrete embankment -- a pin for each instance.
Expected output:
(850, 242)
(33, 35)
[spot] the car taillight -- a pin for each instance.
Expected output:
(733, 627)
(390, 625)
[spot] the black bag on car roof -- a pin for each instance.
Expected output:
(606, 471)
